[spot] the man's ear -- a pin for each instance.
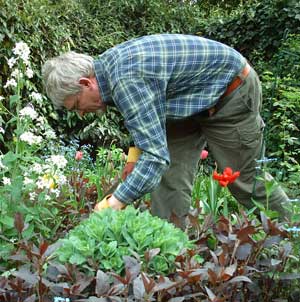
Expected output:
(85, 82)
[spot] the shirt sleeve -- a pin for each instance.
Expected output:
(143, 106)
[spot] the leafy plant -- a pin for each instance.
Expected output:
(256, 26)
(281, 110)
(212, 194)
(249, 261)
(105, 237)
(106, 170)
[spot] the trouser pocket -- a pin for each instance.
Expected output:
(250, 137)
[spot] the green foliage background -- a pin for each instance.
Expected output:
(256, 28)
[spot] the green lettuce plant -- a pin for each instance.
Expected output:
(102, 240)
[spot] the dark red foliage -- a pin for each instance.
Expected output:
(244, 265)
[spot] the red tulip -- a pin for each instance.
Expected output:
(227, 177)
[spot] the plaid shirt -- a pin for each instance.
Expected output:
(152, 78)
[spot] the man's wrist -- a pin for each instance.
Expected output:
(115, 203)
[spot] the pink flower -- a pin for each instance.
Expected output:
(79, 155)
(204, 154)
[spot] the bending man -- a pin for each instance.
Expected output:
(175, 92)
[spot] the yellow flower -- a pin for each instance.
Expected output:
(48, 181)
(52, 184)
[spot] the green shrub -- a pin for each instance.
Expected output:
(258, 26)
(281, 110)
(142, 17)
(50, 28)
(105, 237)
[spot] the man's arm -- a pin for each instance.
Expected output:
(142, 105)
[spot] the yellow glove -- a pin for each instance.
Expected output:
(104, 204)
(133, 154)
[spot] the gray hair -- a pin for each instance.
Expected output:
(61, 75)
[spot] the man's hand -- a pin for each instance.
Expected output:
(115, 203)
(109, 202)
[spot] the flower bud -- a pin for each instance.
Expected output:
(79, 155)
(204, 154)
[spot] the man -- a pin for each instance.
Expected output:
(175, 92)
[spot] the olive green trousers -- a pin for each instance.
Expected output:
(234, 135)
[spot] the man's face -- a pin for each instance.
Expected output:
(87, 100)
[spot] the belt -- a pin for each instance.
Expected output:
(237, 81)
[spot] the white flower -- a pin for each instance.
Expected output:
(47, 168)
(38, 139)
(37, 168)
(29, 73)
(32, 196)
(30, 138)
(11, 62)
(40, 184)
(28, 181)
(22, 51)
(41, 123)
(36, 96)
(10, 82)
(1, 98)
(6, 181)
(58, 160)
(1, 130)
(56, 192)
(16, 73)
(47, 181)
(41, 120)
(62, 179)
(2, 166)
(50, 134)
(29, 111)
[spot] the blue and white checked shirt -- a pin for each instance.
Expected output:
(156, 77)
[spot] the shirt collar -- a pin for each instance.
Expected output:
(102, 81)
